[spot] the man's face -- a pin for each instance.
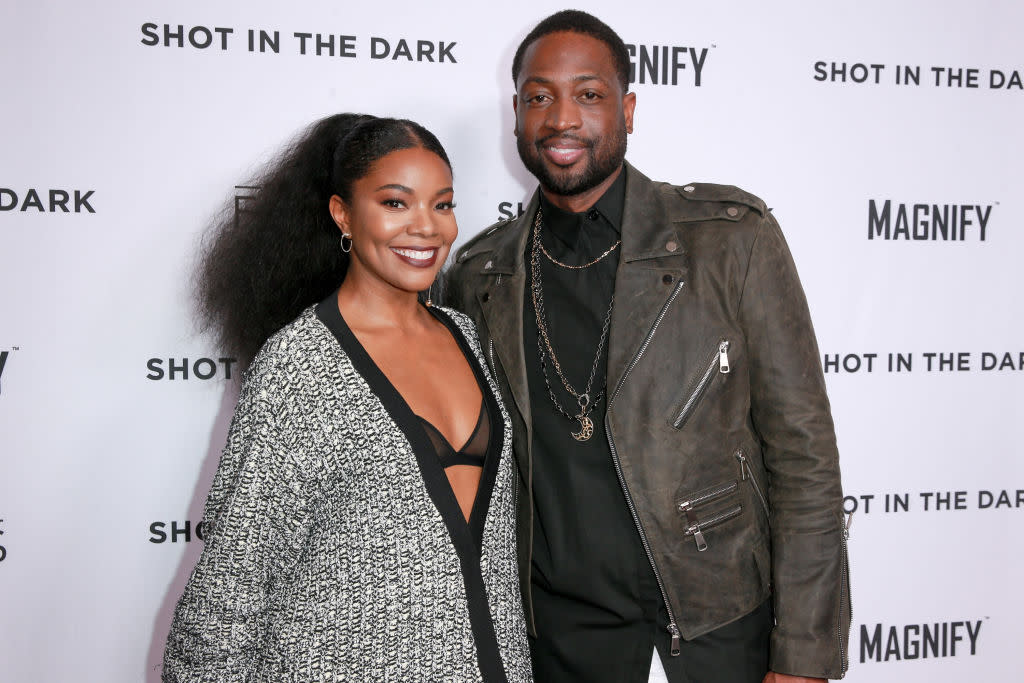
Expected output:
(572, 116)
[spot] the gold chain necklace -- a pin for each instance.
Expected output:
(583, 398)
(585, 265)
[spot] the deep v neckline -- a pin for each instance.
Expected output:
(434, 477)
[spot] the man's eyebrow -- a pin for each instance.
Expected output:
(575, 79)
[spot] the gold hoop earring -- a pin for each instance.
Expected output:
(346, 246)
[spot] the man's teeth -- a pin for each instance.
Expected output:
(418, 254)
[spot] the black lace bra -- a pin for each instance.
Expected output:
(473, 452)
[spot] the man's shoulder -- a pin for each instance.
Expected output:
(719, 194)
(486, 240)
(695, 202)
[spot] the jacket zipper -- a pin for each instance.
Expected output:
(707, 495)
(744, 471)
(490, 353)
(697, 527)
(720, 358)
(844, 663)
(694, 525)
(672, 628)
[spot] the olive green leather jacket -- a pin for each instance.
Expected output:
(717, 417)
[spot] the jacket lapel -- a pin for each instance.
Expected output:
(501, 303)
(650, 269)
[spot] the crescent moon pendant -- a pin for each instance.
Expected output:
(586, 429)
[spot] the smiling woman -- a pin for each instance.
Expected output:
(345, 535)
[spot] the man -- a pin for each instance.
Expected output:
(678, 475)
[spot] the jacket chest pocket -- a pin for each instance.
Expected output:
(699, 514)
(717, 365)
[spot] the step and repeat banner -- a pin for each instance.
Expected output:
(886, 137)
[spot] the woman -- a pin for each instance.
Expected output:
(346, 538)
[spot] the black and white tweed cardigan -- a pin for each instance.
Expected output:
(334, 547)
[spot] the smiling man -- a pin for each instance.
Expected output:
(679, 502)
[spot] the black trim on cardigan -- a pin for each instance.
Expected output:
(466, 537)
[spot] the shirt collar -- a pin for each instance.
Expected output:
(605, 216)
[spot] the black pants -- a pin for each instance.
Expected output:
(734, 653)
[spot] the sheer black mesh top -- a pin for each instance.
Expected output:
(472, 452)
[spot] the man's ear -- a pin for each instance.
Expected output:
(515, 114)
(339, 212)
(628, 105)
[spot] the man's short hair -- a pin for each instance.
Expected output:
(575, 21)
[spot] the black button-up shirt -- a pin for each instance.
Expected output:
(595, 597)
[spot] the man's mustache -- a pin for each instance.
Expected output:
(583, 142)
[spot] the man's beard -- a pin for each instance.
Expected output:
(601, 157)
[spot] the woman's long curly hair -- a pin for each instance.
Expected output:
(261, 265)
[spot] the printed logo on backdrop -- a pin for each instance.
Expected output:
(952, 77)
(45, 200)
(649, 64)
(926, 640)
(509, 210)
(175, 532)
(6, 356)
(996, 499)
(901, 362)
(922, 222)
(186, 369)
(666, 64)
(3, 550)
(244, 196)
(274, 41)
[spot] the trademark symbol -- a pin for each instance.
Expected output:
(13, 348)
(713, 45)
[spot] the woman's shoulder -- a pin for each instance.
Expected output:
(464, 322)
(296, 349)
(297, 335)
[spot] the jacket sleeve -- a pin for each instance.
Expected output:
(254, 530)
(790, 411)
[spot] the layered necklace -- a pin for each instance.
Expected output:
(546, 350)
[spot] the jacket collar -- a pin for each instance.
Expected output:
(508, 249)
(648, 229)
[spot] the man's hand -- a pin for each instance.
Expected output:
(773, 677)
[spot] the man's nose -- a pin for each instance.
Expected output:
(563, 114)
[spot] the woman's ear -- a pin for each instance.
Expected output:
(339, 212)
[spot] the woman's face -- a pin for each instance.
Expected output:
(401, 220)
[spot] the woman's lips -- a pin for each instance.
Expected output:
(420, 258)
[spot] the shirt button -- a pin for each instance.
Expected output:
(488, 265)
(667, 279)
(486, 297)
(732, 211)
(688, 188)
(593, 214)
(671, 245)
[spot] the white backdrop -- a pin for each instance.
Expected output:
(106, 459)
